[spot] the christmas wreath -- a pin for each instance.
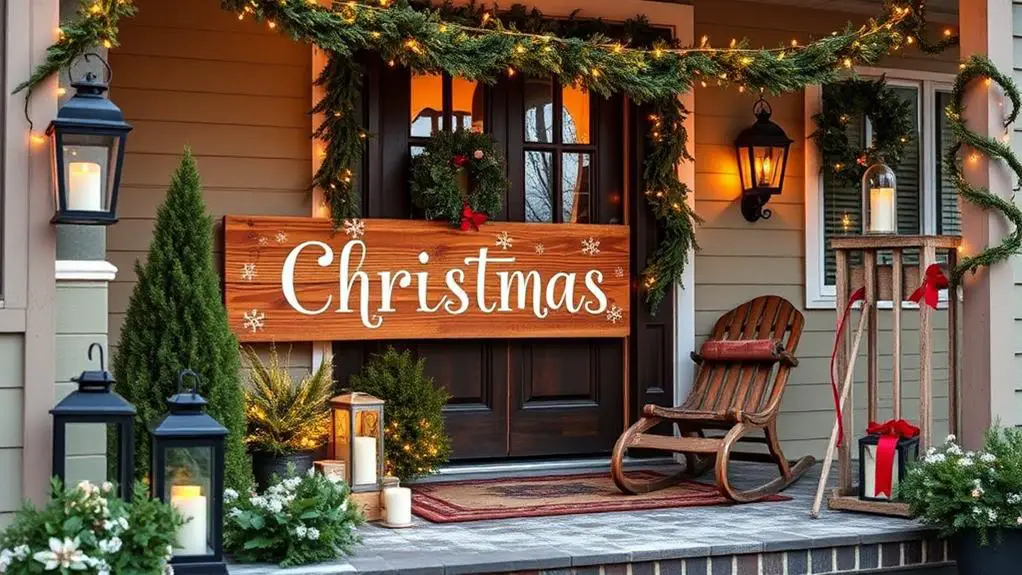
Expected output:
(459, 177)
(853, 100)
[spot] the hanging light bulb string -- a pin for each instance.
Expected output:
(980, 68)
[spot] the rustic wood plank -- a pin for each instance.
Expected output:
(842, 359)
(952, 346)
(872, 351)
(880, 242)
(896, 298)
(928, 256)
(419, 259)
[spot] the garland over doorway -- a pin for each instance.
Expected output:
(427, 39)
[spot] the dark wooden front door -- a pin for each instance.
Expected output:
(566, 163)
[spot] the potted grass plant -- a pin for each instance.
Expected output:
(974, 498)
(286, 421)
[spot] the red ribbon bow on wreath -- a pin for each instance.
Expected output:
(890, 432)
(933, 281)
(460, 160)
(471, 219)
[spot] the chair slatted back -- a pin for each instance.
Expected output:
(748, 386)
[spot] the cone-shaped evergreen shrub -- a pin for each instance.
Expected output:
(176, 320)
(416, 443)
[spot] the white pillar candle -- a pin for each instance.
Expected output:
(364, 464)
(881, 210)
(188, 501)
(398, 503)
(84, 187)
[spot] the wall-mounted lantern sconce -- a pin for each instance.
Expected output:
(762, 159)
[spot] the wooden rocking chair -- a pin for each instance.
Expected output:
(738, 388)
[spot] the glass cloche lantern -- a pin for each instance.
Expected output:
(357, 439)
(879, 200)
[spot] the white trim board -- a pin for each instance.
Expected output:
(84, 270)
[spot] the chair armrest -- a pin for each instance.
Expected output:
(696, 357)
(788, 358)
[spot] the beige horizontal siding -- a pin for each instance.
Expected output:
(741, 260)
(1016, 144)
(12, 406)
(190, 74)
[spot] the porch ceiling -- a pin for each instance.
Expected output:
(937, 10)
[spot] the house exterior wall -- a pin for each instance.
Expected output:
(188, 73)
(1016, 262)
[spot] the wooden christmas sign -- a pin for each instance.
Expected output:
(298, 279)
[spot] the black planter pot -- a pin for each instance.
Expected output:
(266, 465)
(1001, 557)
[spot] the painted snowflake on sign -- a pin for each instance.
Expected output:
(248, 272)
(263, 241)
(254, 320)
(619, 272)
(540, 248)
(355, 228)
(504, 240)
(281, 237)
(590, 246)
(615, 314)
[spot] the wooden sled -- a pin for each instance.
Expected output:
(737, 395)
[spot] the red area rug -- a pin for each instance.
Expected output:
(476, 500)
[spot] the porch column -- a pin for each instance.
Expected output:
(988, 343)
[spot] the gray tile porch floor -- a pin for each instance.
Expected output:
(614, 538)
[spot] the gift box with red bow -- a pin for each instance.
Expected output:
(884, 453)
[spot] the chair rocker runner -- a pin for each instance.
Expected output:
(743, 369)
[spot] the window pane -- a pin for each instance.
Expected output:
(427, 109)
(575, 117)
(575, 170)
(949, 217)
(842, 203)
(539, 110)
(539, 186)
(467, 99)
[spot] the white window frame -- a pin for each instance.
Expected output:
(819, 295)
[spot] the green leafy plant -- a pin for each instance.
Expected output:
(176, 320)
(88, 529)
(284, 417)
(301, 519)
(956, 490)
(416, 443)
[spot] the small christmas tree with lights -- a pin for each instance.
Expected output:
(416, 443)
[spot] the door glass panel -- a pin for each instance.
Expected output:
(467, 100)
(575, 170)
(427, 108)
(575, 117)
(539, 186)
(539, 110)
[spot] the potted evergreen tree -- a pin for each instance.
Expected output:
(287, 421)
(973, 498)
(176, 320)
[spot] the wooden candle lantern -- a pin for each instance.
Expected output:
(886, 283)
(356, 445)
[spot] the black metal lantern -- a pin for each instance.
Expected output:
(762, 159)
(94, 402)
(87, 153)
(188, 472)
(875, 482)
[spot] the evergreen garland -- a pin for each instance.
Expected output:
(420, 38)
(854, 100)
(975, 68)
(175, 320)
(434, 183)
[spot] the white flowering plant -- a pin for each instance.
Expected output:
(956, 490)
(299, 519)
(85, 529)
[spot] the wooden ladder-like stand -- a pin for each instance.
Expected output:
(885, 283)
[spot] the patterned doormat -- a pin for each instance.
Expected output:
(476, 500)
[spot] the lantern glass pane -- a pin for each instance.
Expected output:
(744, 154)
(89, 161)
(767, 162)
(367, 448)
(342, 439)
(189, 481)
(85, 457)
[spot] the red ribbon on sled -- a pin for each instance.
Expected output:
(890, 432)
(933, 281)
(859, 295)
